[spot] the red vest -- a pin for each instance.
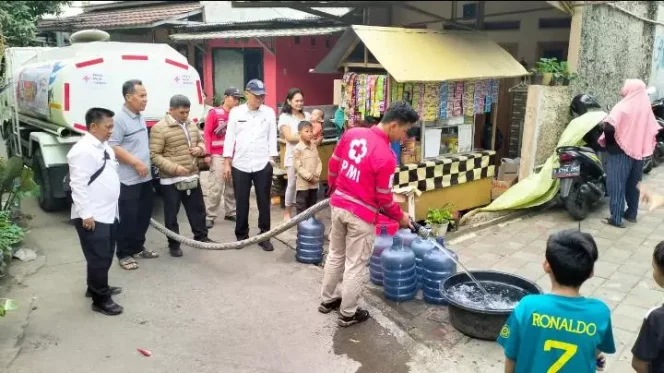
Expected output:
(216, 117)
(360, 174)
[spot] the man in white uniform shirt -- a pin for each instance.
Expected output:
(249, 151)
(95, 187)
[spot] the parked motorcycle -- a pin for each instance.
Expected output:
(581, 172)
(658, 155)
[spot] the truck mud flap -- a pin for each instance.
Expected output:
(565, 187)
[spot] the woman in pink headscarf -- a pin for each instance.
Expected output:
(629, 136)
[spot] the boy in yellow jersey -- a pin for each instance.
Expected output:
(560, 332)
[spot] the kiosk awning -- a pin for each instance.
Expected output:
(411, 55)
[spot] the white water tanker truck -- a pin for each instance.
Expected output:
(45, 92)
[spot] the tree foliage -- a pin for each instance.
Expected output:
(18, 20)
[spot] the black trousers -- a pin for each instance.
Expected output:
(305, 199)
(242, 182)
(194, 206)
(135, 205)
(98, 246)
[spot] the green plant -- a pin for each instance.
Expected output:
(16, 183)
(7, 305)
(547, 65)
(443, 215)
(10, 235)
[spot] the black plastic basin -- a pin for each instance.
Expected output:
(482, 323)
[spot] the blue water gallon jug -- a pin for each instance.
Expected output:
(310, 241)
(399, 276)
(437, 266)
(407, 236)
(383, 241)
(420, 248)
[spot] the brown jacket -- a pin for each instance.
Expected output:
(169, 147)
(307, 165)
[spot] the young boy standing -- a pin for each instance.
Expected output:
(308, 167)
(561, 331)
(648, 349)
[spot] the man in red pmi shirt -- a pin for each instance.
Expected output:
(360, 176)
(215, 134)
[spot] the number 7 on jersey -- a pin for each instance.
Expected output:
(569, 350)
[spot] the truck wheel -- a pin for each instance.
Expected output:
(47, 202)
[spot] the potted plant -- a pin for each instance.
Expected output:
(547, 67)
(439, 219)
(535, 76)
(565, 76)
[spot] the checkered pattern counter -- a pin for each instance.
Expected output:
(446, 171)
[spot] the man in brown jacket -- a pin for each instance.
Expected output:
(176, 147)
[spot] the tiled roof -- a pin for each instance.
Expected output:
(222, 13)
(108, 19)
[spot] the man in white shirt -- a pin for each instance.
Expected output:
(95, 187)
(249, 151)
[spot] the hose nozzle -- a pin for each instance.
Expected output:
(420, 230)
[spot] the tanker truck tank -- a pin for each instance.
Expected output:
(59, 85)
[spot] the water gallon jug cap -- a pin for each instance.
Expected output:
(383, 230)
(397, 242)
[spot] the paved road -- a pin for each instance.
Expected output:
(232, 311)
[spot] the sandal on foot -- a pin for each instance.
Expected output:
(128, 263)
(146, 254)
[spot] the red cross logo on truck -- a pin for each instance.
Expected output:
(86, 78)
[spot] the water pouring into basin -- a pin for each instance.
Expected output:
(480, 301)
(426, 234)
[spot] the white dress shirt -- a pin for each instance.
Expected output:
(98, 200)
(251, 138)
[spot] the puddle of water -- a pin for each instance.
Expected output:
(372, 346)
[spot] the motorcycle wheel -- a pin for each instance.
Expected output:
(647, 166)
(575, 203)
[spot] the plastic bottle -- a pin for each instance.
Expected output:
(310, 241)
(407, 236)
(399, 276)
(436, 268)
(420, 247)
(382, 242)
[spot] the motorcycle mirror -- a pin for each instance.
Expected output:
(651, 90)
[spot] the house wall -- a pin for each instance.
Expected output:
(295, 59)
(657, 64)
(522, 43)
(269, 67)
(614, 46)
(287, 68)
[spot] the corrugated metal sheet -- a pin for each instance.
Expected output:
(234, 34)
(108, 19)
(220, 13)
(419, 55)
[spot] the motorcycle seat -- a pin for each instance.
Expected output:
(587, 149)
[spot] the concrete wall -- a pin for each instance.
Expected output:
(614, 46)
(547, 115)
(523, 43)
(657, 67)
